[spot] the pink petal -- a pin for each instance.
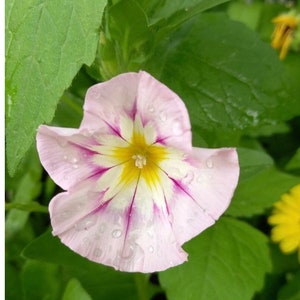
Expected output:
(65, 154)
(105, 102)
(206, 191)
(127, 94)
(124, 238)
(165, 110)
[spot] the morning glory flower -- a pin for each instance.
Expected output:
(135, 188)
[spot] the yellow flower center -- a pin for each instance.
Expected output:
(140, 160)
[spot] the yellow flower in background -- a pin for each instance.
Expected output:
(285, 26)
(286, 221)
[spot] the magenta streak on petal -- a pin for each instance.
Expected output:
(179, 185)
(116, 131)
(132, 114)
(129, 213)
(98, 173)
(102, 205)
(86, 151)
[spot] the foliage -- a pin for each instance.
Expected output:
(216, 56)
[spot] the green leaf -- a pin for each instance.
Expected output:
(46, 44)
(252, 162)
(227, 261)
(171, 13)
(28, 188)
(12, 281)
(255, 195)
(227, 76)
(99, 281)
(294, 163)
(41, 281)
(29, 207)
(126, 40)
(74, 290)
(247, 13)
(291, 291)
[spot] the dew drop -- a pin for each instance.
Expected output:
(79, 206)
(150, 233)
(116, 233)
(74, 160)
(62, 142)
(151, 249)
(128, 252)
(209, 164)
(64, 215)
(75, 166)
(151, 109)
(177, 128)
(202, 179)
(163, 117)
(86, 223)
(188, 178)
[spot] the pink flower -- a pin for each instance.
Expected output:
(136, 189)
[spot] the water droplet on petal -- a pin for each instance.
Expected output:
(163, 117)
(86, 223)
(177, 128)
(150, 233)
(128, 252)
(188, 178)
(65, 214)
(151, 109)
(79, 206)
(151, 249)
(116, 233)
(74, 160)
(62, 142)
(204, 178)
(209, 164)
(75, 166)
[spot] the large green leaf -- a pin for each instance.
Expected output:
(227, 76)
(46, 44)
(227, 261)
(255, 195)
(41, 280)
(252, 162)
(26, 188)
(171, 13)
(99, 281)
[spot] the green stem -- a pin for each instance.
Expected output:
(141, 281)
(31, 207)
